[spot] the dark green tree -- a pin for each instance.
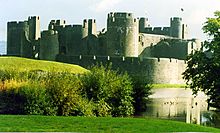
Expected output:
(203, 66)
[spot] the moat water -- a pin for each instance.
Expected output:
(179, 104)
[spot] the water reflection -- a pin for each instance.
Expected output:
(178, 104)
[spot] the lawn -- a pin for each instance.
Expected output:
(16, 123)
(24, 64)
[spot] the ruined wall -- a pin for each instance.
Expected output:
(49, 45)
(153, 70)
(122, 35)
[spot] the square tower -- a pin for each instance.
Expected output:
(34, 27)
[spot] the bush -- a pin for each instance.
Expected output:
(65, 92)
(100, 92)
(110, 89)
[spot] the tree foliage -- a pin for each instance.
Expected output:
(203, 66)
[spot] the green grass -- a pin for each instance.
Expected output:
(156, 86)
(9, 123)
(23, 64)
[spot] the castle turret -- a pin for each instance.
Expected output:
(49, 45)
(176, 29)
(56, 24)
(89, 27)
(143, 23)
(34, 27)
(122, 35)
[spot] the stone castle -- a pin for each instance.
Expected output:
(130, 44)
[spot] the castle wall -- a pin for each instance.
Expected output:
(166, 47)
(146, 42)
(70, 39)
(177, 29)
(122, 35)
(153, 70)
(49, 45)
(171, 48)
(17, 36)
(157, 30)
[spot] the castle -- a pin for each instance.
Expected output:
(155, 53)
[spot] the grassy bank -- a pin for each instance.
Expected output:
(22, 64)
(156, 86)
(18, 123)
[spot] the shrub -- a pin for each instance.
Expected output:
(100, 92)
(65, 92)
(110, 89)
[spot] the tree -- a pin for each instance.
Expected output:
(203, 67)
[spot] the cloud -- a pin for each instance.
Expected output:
(104, 5)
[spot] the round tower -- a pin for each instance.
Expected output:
(49, 45)
(122, 35)
(176, 29)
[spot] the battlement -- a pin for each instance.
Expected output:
(60, 22)
(120, 15)
(54, 24)
(34, 17)
(121, 59)
(17, 24)
(154, 70)
(157, 30)
(89, 20)
(72, 26)
(175, 19)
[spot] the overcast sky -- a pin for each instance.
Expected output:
(74, 11)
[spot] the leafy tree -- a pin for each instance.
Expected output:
(203, 67)
(142, 91)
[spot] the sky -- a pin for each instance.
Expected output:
(74, 11)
